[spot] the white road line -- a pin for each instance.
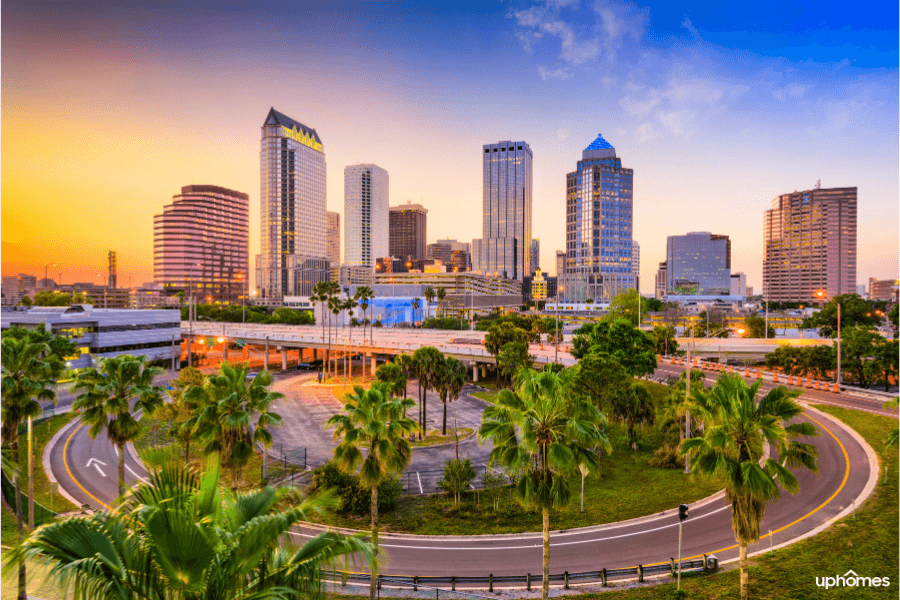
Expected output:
(591, 541)
(116, 450)
(420, 483)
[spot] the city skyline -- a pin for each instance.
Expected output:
(669, 89)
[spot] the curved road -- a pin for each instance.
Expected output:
(844, 473)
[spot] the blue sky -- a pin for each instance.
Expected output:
(718, 107)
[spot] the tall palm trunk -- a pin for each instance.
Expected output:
(545, 556)
(421, 421)
(23, 595)
(121, 448)
(444, 426)
(374, 569)
(745, 578)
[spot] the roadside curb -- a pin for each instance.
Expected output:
(530, 534)
(45, 459)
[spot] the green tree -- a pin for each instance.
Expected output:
(377, 420)
(428, 364)
(25, 301)
(787, 358)
(441, 295)
(501, 334)
(714, 323)
(52, 298)
(29, 374)
(894, 317)
(181, 537)
(449, 384)
(633, 405)
(227, 406)
(416, 305)
(105, 401)
(543, 431)
(320, 296)
(394, 376)
(625, 306)
(817, 361)
(512, 358)
(855, 312)
(732, 445)
(458, 474)
(181, 412)
(665, 340)
(633, 348)
(857, 349)
(428, 292)
(599, 376)
(886, 358)
(755, 327)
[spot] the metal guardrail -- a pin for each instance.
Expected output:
(709, 562)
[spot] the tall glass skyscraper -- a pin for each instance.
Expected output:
(698, 263)
(505, 244)
(599, 215)
(293, 254)
(365, 214)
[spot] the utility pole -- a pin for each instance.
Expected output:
(687, 416)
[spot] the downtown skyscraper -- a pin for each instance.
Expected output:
(810, 245)
(365, 215)
(505, 245)
(293, 255)
(599, 216)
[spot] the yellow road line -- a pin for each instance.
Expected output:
(71, 476)
(810, 513)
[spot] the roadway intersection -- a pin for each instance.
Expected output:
(846, 474)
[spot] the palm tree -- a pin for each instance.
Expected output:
(405, 362)
(428, 363)
(737, 428)
(320, 295)
(429, 297)
(450, 381)
(336, 305)
(349, 305)
(633, 405)
(365, 294)
(223, 420)
(378, 420)
(543, 431)
(440, 294)
(28, 376)
(392, 374)
(106, 400)
(416, 304)
(184, 537)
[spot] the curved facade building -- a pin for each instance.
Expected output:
(201, 244)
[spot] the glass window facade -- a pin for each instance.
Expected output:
(599, 218)
(292, 206)
(505, 245)
(698, 264)
(365, 214)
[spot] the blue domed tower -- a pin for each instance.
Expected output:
(599, 217)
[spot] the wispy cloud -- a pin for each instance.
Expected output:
(790, 92)
(582, 41)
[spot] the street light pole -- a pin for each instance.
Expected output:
(839, 345)
(687, 416)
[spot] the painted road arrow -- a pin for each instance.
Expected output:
(96, 464)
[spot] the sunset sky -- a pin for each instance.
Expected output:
(107, 110)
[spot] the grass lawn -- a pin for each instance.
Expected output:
(628, 488)
(38, 584)
(157, 448)
(42, 434)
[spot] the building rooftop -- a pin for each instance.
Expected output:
(277, 118)
(600, 144)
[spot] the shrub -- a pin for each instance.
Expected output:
(355, 499)
(458, 474)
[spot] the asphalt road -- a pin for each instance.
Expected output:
(844, 471)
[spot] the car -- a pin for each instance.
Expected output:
(251, 376)
(304, 366)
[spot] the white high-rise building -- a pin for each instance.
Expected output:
(738, 284)
(504, 249)
(365, 215)
(293, 256)
(636, 263)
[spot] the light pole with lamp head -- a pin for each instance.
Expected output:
(823, 297)
(556, 336)
(240, 277)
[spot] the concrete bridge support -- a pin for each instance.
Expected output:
(374, 361)
(475, 373)
(284, 352)
(266, 356)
